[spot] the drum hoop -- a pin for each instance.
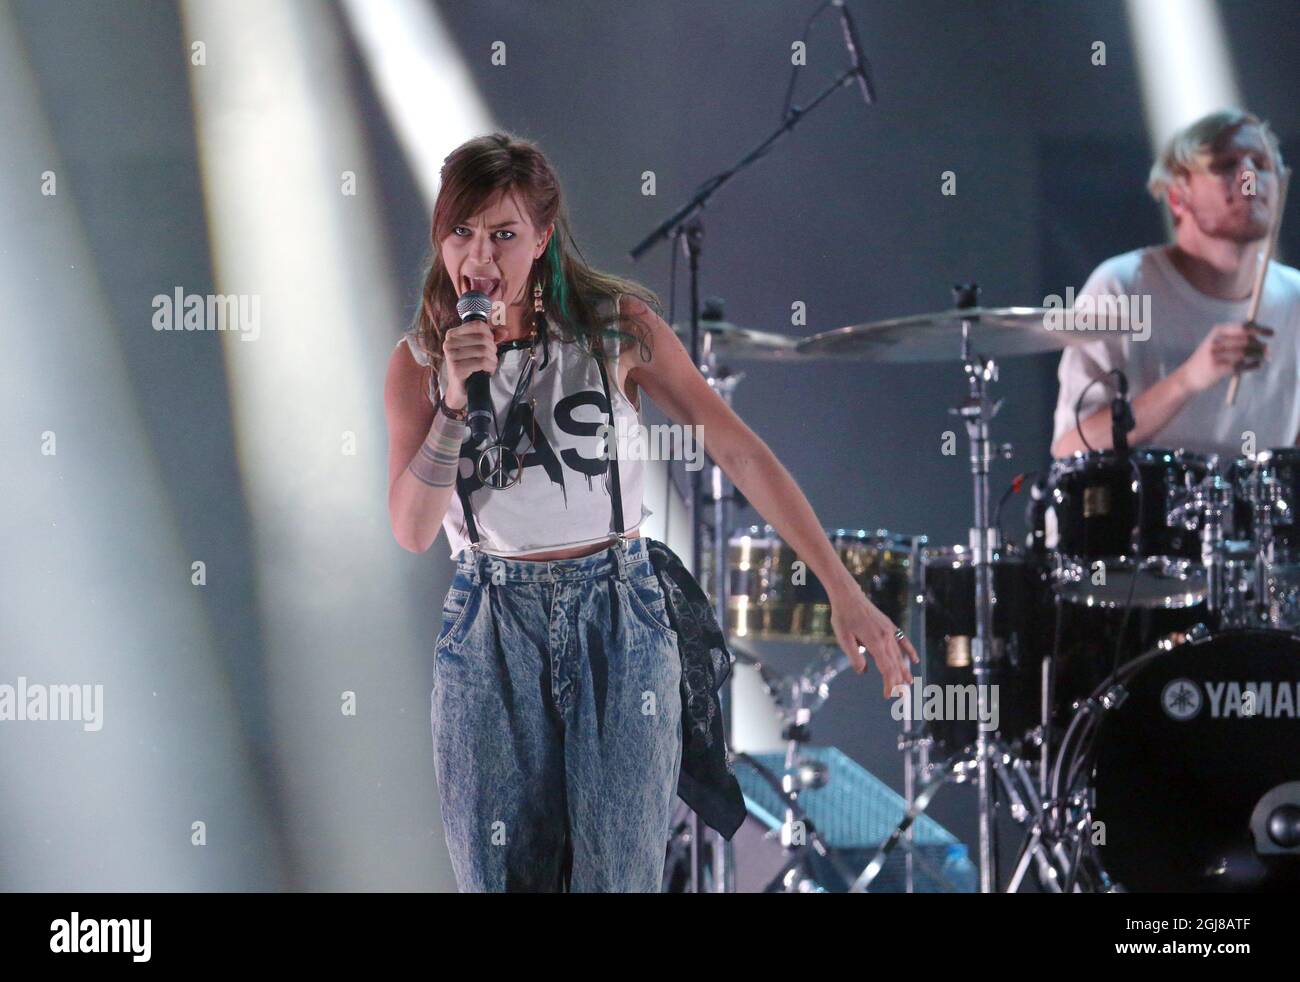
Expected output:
(1126, 671)
(879, 538)
(1273, 454)
(1080, 459)
(932, 555)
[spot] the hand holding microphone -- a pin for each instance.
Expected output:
(471, 354)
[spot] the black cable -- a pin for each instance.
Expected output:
(1016, 483)
(1080, 719)
(1084, 722)
(1078, 406)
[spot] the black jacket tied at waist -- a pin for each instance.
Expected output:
(707, 783)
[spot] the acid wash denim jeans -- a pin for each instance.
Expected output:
(556, 716)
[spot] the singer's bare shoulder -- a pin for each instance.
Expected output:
(663, 368)
(645, 326)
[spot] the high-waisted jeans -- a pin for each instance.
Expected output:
(556, 716)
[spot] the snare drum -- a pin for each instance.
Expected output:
(774, 596)
(1110, 555)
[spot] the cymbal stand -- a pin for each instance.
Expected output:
(723, 382)
(977, 412)
(916, 752)
(1203, 507)
(796, 700)
(1264, 495)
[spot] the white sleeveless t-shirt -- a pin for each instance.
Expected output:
(564, 494)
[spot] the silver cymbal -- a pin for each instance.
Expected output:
(735, 341)
(997, 332)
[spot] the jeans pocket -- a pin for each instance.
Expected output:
(647, 598)
(455, 614)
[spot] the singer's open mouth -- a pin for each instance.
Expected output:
(484, 284)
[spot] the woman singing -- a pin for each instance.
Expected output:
(556, 712)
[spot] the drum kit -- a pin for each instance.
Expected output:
(1125, 682)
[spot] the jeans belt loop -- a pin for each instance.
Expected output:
(620, 556)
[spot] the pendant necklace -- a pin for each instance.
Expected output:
(498, 465)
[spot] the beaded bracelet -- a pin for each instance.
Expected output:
(435, 397)
(460, 415)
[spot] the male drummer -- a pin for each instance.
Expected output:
(1199, 285)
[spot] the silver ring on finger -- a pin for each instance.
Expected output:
(898, 633)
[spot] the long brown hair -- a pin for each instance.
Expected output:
(576, 297)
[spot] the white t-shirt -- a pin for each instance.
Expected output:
(1268, 401)
(565, 493)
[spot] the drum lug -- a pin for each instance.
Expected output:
(1113, 697)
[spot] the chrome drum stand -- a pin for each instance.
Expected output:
(989, 760)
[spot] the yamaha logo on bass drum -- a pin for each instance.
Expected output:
(1183, 699)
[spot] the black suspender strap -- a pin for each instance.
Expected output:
(469, 512)
(616, 499)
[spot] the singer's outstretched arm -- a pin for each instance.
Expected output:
(663, 368)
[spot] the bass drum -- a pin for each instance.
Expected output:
(1195, 777)
(1091, 643)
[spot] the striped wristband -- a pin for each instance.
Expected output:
(438, 460)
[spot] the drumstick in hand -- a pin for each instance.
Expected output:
(1261, 270)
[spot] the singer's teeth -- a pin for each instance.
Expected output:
(483, 285)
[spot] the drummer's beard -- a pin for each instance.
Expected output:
(1242, 219)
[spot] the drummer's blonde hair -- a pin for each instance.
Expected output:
(1191, 147)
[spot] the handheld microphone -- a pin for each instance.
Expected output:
(475, 306)
(860, 65)
(1121, 416)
